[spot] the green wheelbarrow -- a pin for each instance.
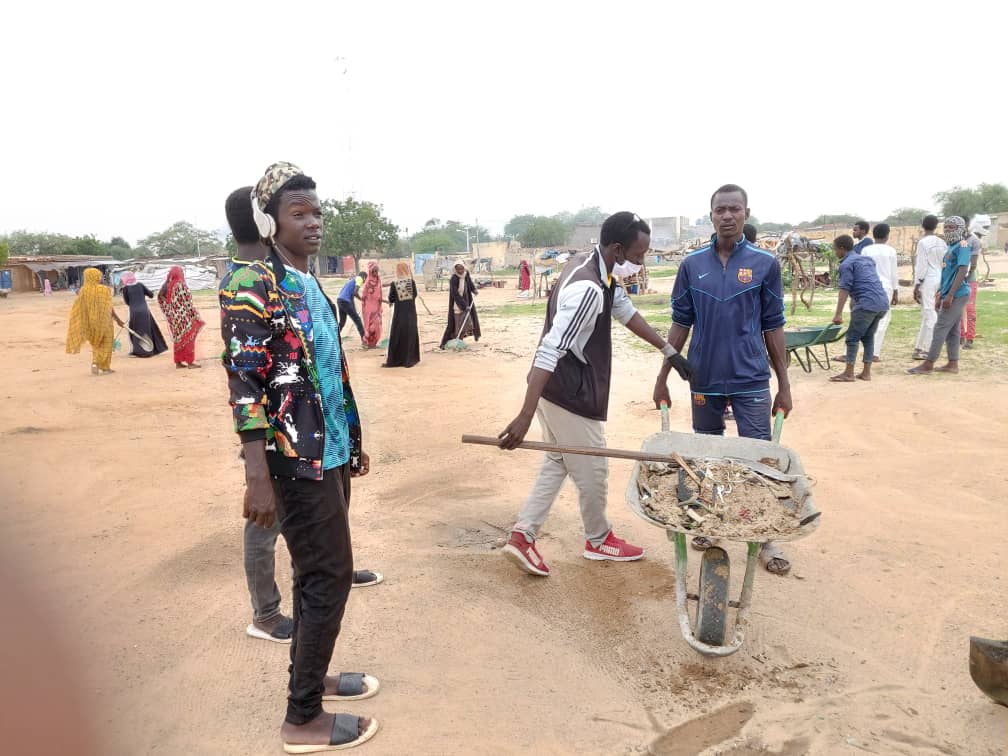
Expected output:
(712, 600)
(807, 339)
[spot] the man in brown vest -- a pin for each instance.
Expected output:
(568, 389)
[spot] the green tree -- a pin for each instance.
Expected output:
(182, 239)
(449, 237)
(437, 239)
(593, 214)
(960, 200)
(4, 252)
(31, 244)
(544, 232)
(906, 216)
(119, 253)
(993, 197)
(518, 225)
(829, 220)
(86, 246)
(353, 227)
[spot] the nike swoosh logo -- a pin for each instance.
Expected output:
(703, 274)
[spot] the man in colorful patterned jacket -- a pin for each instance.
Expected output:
(295, 413)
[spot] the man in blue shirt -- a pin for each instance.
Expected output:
(859, 280)
(347, 306)
(729, 293)
(951, 299)
(860, 233)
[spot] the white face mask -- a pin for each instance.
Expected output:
(625, 268)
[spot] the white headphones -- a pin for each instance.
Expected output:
(264, 221)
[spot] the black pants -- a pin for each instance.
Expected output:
(313, 520)
(349, 310)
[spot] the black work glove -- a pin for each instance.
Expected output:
(681, 365)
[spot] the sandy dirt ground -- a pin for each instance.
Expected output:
(121, 507)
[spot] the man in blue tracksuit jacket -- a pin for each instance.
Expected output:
(730, 294)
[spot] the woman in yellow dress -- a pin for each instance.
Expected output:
(91, 321)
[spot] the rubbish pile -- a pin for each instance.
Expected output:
(722, 498)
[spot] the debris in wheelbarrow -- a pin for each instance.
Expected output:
(734, 499)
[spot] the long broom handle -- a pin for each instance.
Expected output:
(590, 451)
(464, 321)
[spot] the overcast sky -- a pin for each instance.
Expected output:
(122, 118)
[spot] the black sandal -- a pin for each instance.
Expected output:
(351, 687)
(365, 578)
(345, 734)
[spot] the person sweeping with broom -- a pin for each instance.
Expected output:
(91, 321)
(462, 318)
(568, 389)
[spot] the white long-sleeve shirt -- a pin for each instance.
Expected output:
(928, 263)
(886, 265)
(579, 304)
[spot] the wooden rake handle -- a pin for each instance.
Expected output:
(590, 451)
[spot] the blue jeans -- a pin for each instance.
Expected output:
(349, 310)
(751, 410)
(260, 564)
(863, 324)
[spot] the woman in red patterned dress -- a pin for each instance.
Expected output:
(184, 321)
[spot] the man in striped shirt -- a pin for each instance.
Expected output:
(568, 389)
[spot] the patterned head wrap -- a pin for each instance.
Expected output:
(127, 279)
(953, 229)
(275, 177)
(402, 270)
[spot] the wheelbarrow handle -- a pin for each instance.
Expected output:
(778, 427)
(591, 451)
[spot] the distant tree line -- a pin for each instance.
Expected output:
(182, 239)
(356, 228)
(962, 201)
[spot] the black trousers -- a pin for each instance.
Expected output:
(313, 520)
(349, 310)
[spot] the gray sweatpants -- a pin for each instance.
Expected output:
(590, 474)
(946, 330)
(260, 565)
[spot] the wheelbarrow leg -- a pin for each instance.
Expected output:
(811, 356)
(745, 599)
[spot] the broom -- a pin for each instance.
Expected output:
(457, 344)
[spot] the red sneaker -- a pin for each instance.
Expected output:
(524, 554)
(613, 549)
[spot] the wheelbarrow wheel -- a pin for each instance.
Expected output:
(712, 606)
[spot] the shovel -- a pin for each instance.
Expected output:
(146, 342)
(988, 666)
